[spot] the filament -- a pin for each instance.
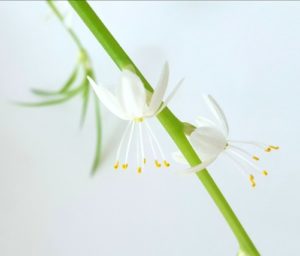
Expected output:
(142, 143)
(138, 155)
(155, 140)
(245, 172)
(125, 165)
(253, 143)
(244, 159)
(121, 144)
(254, 157)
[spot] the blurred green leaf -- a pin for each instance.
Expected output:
(66, 86)
(85, 101)
(70, 81)
(96, 161)
(69, 95)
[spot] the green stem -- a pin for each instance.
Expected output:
(62, 20)
(169, 121)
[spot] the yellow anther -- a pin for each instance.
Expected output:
(124, 166)
(145, 161)
(274, 147)
(139, 170)
(268, 149)
(157, 163)
(265, 172)
(256, 158)
(252, 181)
(138, 119)
(116, 165)
(166, 164)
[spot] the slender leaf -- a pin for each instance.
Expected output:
(66, 86)
(44, 103)
(70, 81)
(85, 102)
(69, 95)
(96, 161)
(44, 93)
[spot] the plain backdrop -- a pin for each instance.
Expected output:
(246, 54)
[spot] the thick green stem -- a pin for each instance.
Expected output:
(169, 121)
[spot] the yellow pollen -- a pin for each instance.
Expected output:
(166, 164)
(268, 149)
(145, 161)
(157, 163)
(139, 170)
(116, 165)
(124, 166)
(252, 181)
(256, 158)
(265, 172)
(138, 119)
(274, 147)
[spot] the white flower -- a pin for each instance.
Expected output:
(210, 139)
(134, 103)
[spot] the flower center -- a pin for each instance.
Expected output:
(138, 119)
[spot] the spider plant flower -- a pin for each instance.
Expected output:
(133, 103)
(210, 139)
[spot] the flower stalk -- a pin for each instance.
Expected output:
(170, 122)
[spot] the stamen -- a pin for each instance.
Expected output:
(254, 166)
(152, 146)
(166, 164)
(238, 163)
(265, 172)
(139, 170)
(268, 149)
(274, 147)
(121, 145)
(252, 180)
(116, 165)
(254, 157)
(145, 161)
(157, 163)
(142, 143)
(155, 140)
(254, 143)
(125, 165)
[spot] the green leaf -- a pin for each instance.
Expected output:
(66, 86)
(69, 95)
(85, 101)
(70, 81)
(43, 93)
(96, 161)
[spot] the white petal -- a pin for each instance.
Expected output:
(160, 89)
(132, 94)
(208, 141)
(108, 100)
(179, 158)
(171, 95)
(201, 166)
(202, 121)
(218, 112)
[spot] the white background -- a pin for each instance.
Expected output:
(246, 54)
